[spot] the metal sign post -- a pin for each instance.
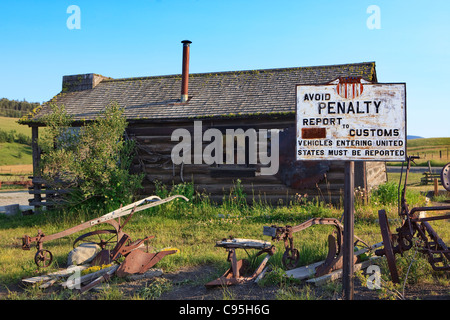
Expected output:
(350, 119)
(349, 209)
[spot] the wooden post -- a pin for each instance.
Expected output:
(36, 162)
(349, 208)
(436, 190)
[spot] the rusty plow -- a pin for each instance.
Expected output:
(236, 273)
(114, 243)
(291, 256)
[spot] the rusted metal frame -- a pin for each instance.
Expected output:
(234, 274)
(334, 259)
(434, 208)
(103, 244)
(404, 243)
(440, 247)
(421, 225)
(286, 233)
(156, 201)
(233, 259)
(122, 249)
(412, 225)
(388, 249)
(41, 237)
(316, 221)
(107, 218)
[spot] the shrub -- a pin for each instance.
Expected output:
(93, 161)
(386, 193)
(13, 136)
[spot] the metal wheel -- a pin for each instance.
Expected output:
(290, 258)
(106, 239)
(445, 176)
(43, 258)
(388, 247)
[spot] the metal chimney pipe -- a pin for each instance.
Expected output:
(185, 74)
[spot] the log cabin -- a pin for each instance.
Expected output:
(261, 101)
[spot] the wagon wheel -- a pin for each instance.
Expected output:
(445, 176)
(388, 247)
(106, 239)
(43, 258)
(290, 258)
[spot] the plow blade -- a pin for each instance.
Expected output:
(138, 261)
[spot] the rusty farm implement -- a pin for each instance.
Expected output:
(236, 274)
(291, 255)
(415, 230)
(114, 242)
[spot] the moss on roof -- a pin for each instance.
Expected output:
(216, 94)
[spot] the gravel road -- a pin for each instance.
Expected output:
(413, 169)
(14, 197)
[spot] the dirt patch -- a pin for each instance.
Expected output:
(187, 284)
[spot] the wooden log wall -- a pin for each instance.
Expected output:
(154, 159)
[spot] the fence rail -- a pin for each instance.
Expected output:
(44, 195)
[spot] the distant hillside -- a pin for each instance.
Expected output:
(12, 152)
(15, 108)
(427, 143)
(435, 150)
(8, 124)
(408, 137)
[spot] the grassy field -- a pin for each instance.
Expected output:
(12, 153)
(194, 227)
(15, 158)
(7, 124)
(435, 150)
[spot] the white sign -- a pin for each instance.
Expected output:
(351, 119)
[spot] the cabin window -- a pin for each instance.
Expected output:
(67, 138)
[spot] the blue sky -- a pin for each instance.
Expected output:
(143, 38)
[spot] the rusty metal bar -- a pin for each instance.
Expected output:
(44, 255)
(430, 243)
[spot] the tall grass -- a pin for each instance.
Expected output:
(194, 227)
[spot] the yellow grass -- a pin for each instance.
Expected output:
(7, 124)
(432, 149)
(17, 169)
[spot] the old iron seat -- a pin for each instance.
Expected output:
(236, 273)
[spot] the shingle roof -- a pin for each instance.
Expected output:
(243, 93)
